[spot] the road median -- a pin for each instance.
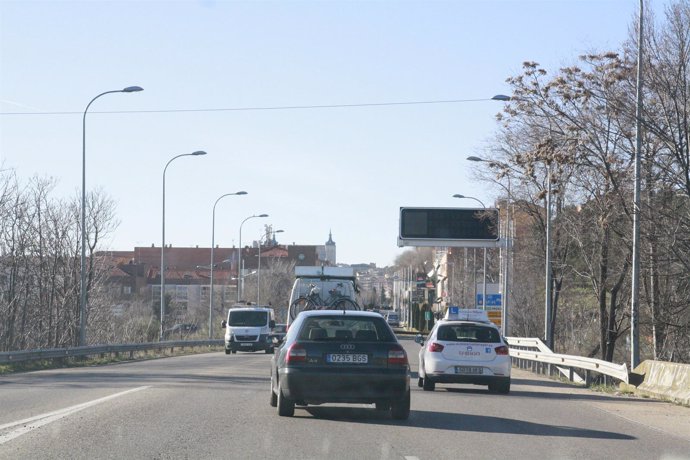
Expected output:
(661, 380)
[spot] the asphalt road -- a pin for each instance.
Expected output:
(216, 406)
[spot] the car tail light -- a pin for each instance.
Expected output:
(502, 350)
(397, 356)
(296, 354)
(435, 347)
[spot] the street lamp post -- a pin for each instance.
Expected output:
(162, 270)
(508, 235)
(240, 279)
(484, 283)
(548, 330)
(547, 296)
(82, 279)
(506, 263)
(258, 270)
(504, 317)
(635, 287)
(213, 245)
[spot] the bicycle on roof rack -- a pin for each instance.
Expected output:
(313, 301)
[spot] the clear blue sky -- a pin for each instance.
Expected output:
(313, 170)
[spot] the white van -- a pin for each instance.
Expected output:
(249, 329)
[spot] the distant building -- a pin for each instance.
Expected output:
(188, 270)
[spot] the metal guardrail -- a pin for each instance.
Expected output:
(544, 358)
(56, 353)
(528, 343)
(522, 350)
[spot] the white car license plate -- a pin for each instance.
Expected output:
(469, 370)
(350, 358)
(245, 344)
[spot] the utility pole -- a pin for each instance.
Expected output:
(635, 288)
(548, 333)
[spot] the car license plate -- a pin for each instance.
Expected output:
(469, 370)
(245, 344)
(348, 358)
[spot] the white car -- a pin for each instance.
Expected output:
(393, 319)
(464, 347)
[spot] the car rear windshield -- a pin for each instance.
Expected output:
(248, 318)
(339, 328)
(468, 333)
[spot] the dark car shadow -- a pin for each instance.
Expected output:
(456, 422)
(528, 394)
(515, 392)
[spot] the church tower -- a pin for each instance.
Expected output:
(330, 249)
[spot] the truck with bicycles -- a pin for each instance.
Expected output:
(323, 288)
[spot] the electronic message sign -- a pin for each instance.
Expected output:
(476, 227)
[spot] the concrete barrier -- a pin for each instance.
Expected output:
(661, 380)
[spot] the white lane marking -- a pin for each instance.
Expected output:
(409, 457)
(50, 417)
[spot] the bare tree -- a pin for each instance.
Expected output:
(667, 179)
(277, 277)
(39, 264)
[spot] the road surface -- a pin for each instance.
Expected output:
(216, 406)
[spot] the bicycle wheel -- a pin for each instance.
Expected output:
(344, 304)
(313, 304)
(300, 304)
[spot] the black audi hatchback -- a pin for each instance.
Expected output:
(331, 356)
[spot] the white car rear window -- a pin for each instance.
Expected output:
(468, 333)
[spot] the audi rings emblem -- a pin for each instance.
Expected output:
(347, 346)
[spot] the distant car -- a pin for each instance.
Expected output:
(467, 350)
(393, 319)
(278, 332)
(346, 356)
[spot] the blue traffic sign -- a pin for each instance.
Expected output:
(492, 300)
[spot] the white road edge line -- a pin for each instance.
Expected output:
(50, 417)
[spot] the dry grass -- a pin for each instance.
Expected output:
(60, 363)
